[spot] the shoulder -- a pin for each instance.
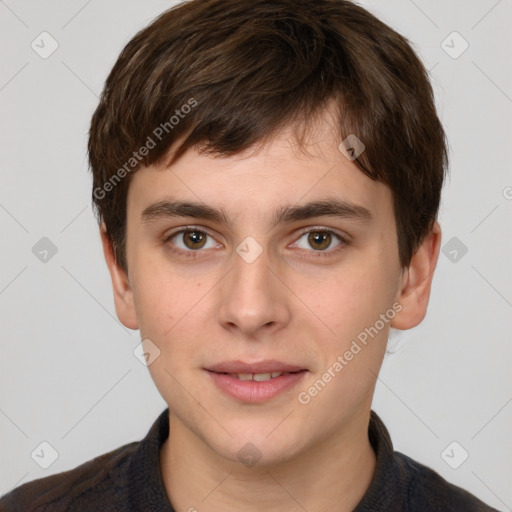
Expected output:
(428, 490)
(103, 479)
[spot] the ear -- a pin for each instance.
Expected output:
(416, 282)
(123, 294)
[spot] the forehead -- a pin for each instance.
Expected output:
(259, 181)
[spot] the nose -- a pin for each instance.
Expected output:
(254, 301)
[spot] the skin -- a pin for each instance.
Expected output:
(291, 304)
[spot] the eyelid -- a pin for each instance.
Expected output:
(323, 229)
(181, 229)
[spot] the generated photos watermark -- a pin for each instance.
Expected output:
(137, 156)
(357, 345)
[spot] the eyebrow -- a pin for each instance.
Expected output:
(283, 215)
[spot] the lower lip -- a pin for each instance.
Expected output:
(253, 391)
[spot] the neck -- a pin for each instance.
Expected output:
(333, 473)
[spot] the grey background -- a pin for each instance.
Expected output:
(67, 369)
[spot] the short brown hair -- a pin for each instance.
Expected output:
(251, 67)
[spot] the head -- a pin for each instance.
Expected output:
(234, 117)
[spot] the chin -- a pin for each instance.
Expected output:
(259, 449)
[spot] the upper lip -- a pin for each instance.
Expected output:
(261, 367)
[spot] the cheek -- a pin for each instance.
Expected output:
(155, 303)
(354, 297)
(162, 295)
(351, 304)
(173, 312)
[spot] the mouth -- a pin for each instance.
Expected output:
(257, 382)
(258, 377)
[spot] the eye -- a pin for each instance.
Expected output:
(191, 240)
(320, 240)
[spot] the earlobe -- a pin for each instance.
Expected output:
(417, 281)
(123, 294)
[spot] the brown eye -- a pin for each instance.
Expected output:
(191, 240)
(194, 239)
(319, 240)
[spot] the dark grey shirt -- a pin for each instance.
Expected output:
(128, 479)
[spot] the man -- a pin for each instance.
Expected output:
(267, 176)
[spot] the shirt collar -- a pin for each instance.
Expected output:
(147, 490)
(388, 489)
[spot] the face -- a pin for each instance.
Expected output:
(257, 279)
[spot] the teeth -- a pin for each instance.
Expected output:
(261, 376)
(258, 377)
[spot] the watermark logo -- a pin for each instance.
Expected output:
(454, 45)
(44, 455)
(44, 250)
(249, 455)
(454, 249)
(146, 352)
(249, 249)
(351, 147)
(44, 45)
(454, 455)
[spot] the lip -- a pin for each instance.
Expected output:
(261, 367)
(250, 391)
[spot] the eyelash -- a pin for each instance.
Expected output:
(194, 254)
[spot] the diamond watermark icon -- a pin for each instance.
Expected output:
(44, 455)
(454, 455)
(146, 352)
(249, 454)
(249, 250)
(44, 250)
(454, 45)
(454, 249)
(44, 45)
(351, 147)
